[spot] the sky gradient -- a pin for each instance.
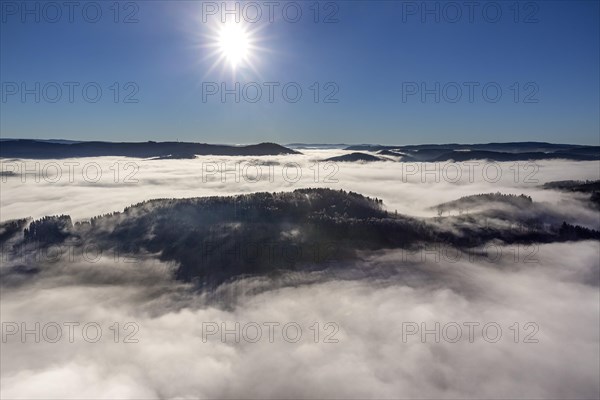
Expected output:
(373, 58)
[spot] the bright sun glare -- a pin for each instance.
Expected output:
(234, 43)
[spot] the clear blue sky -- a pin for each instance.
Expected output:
(373, 54)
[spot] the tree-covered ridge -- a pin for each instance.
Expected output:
(516, 151)
(220, 237)
(588, 186)
(466, 203)
(22, 148)
(51, 229)
(261, 206)
(213, 239)
(10, 229)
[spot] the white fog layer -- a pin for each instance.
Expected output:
(87, 187)
(512, 327)
(370, 359)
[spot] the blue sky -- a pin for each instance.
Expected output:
(377, 59)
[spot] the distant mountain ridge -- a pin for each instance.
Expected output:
(60, 141)
(494, 146)
(301, 146)
(352, 157)
(513, 151)
(46, 150)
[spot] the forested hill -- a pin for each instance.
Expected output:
(485, 200)
(214, 239)
(48, 150)
(516, 151)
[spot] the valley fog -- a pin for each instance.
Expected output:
(521, 324)
(87, 187)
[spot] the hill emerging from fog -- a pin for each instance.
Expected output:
(353, 157)
(515, 151)
(36, 149)
(215, 239)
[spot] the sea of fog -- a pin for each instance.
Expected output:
(378, 327)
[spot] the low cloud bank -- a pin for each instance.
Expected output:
(162, 339)
(87, 187)
(372, 302)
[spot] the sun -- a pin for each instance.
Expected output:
(236, 47)
(234, 43)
